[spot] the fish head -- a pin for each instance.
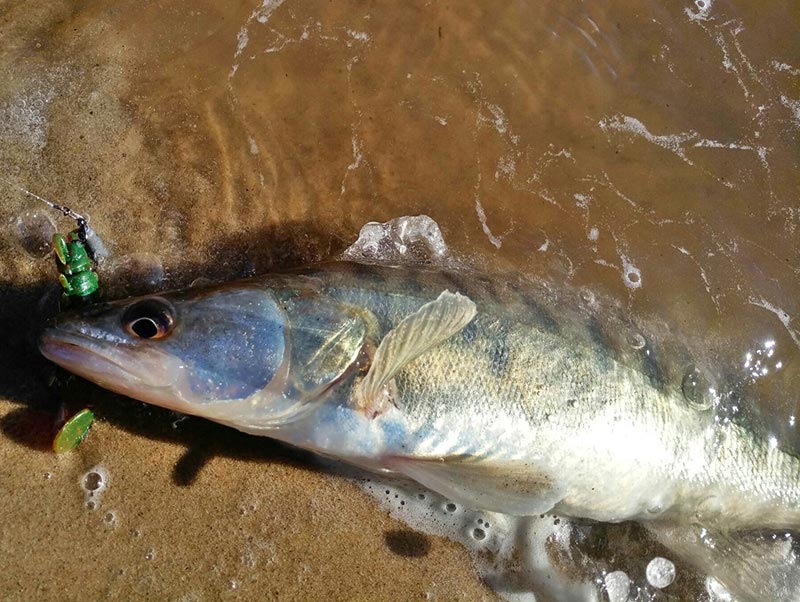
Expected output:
(244, 354)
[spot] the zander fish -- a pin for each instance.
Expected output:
(463, 383)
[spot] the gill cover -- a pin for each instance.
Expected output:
(322, 339)
(232, 342)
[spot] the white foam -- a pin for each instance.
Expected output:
(784, 317)
(671, 142)
(361, 36)
(261, 15)
(512, 554)
(495, 240)
(702, 12)
(253, 146)
(778, 66)
(407, 239)
(793, 106)
(631, 275)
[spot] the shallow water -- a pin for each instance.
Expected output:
(645, 152)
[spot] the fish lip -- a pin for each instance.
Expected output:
(67, 349)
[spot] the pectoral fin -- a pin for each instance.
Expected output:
(510, 487)
(427, 327)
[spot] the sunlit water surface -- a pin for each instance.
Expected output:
(645, 153)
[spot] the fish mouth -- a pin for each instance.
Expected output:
(79, 354)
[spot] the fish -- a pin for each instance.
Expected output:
(468, 384)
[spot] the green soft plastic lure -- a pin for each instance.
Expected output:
(73, 432)
(75, 262)
(76, 273)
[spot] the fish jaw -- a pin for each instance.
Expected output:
(152, 378)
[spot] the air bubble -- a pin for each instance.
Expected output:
(478, 533)
(450, 507)
(660, 572)
(233, 584)
(697, 389)
(35, 232)
(110, 518)
(150, 554)
(48, 475)
(93, 481)
(636, 340)
(631, 275)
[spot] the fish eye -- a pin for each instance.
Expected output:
(149, 319)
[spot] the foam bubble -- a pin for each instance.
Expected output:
(618, 586)
(93, 482)
(697, 389)
(702, 12)
(479, 534)
(409, 239)
(512, 554)
(35, 231)
(636, 340)
(660, 572)
(631, 275)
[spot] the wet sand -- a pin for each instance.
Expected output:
(646, 152)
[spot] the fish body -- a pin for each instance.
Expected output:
(507, 407)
